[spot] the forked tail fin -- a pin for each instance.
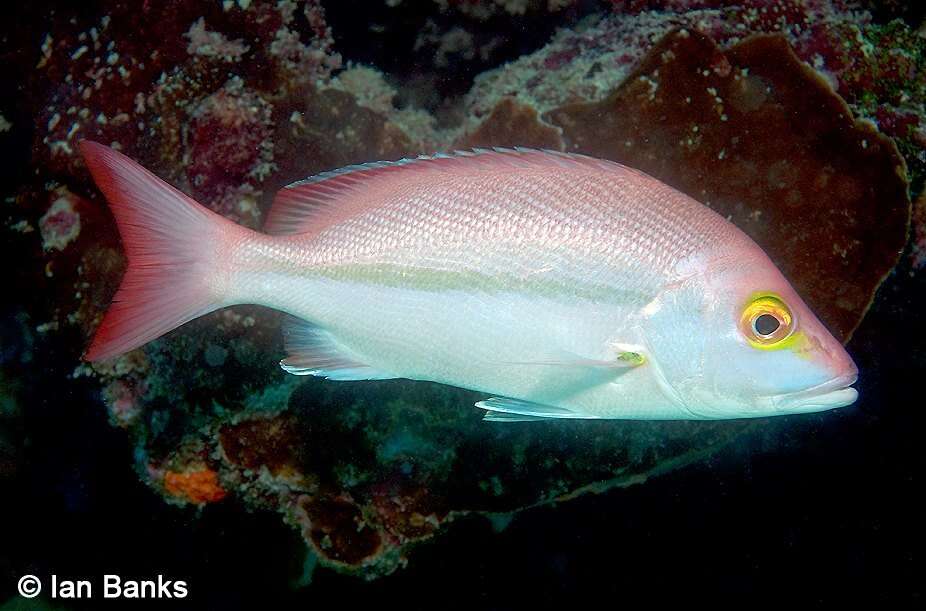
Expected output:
(173, 246)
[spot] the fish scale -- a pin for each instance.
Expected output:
(520, 220)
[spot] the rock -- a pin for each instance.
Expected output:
(510, 124)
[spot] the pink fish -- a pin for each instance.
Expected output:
(570, 287)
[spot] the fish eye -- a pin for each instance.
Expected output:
(765, 324)
(766, 321)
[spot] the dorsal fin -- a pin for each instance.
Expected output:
(330, 197)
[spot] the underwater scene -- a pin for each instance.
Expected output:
(435, 304)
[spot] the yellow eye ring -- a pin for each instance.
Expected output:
(766, 321)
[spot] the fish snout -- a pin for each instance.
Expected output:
(837, 392)
(830, 354)
(839, 373)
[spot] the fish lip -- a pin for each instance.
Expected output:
(837, 392)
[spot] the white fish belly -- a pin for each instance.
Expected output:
(500, 343)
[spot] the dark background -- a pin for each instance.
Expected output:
(819, 509)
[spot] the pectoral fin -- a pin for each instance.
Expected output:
(627, 357)
(501, 409)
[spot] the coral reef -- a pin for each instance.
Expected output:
(484, 9)
(197, 484)
(230, 101)
(876, 67)
(60, 225)
(513, 123)
(163, 103)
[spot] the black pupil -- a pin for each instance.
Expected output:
(766, 324)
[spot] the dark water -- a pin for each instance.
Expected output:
(820, 510)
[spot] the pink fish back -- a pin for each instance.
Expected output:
(332, 197)
(501, 211)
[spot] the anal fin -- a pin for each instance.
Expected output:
(314, 351)
(506, 417)
(502, 409)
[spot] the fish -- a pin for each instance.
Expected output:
(558, 285)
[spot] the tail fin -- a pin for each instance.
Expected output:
(171, 243)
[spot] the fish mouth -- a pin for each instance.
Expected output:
(834, 393)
